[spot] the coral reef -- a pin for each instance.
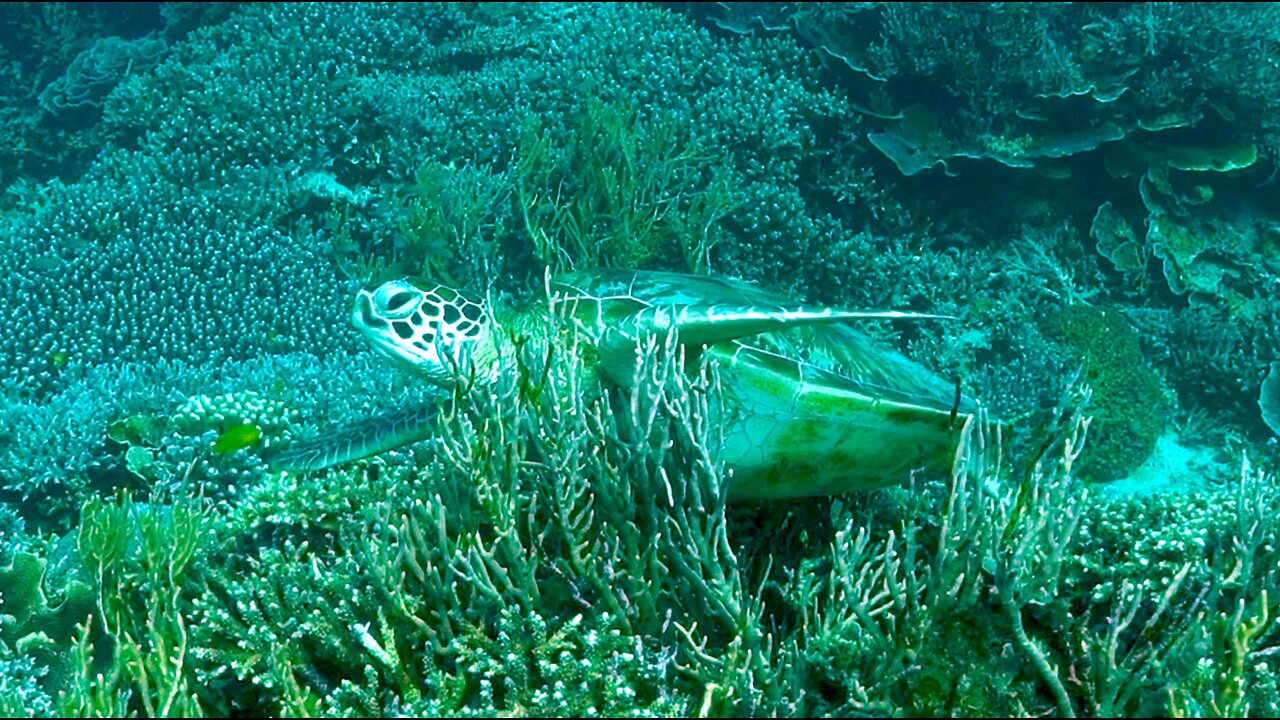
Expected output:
(193, 190)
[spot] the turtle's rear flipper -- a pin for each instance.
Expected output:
(362, 440)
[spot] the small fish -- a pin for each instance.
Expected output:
(237, 437)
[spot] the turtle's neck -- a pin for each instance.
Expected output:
(530, 335)
(514, 330)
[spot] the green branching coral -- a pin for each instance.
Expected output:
(1182, 586)
(284, 590)
(588, 666)
(563, 552)
(138, 557)
(515, 572)
(554, 502)
(622, 190)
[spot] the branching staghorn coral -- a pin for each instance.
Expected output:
(545, 495)
(974, 601)
(622, 190)
(137, 557)
(557, 550)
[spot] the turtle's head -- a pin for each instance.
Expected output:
(436, 330)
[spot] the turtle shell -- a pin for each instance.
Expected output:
(811, 405)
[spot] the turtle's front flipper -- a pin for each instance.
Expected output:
(365, 438)
(877, 370)
(713, 323)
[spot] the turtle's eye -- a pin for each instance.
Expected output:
(399, 302)
(395, 303)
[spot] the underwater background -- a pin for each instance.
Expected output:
(192, 193)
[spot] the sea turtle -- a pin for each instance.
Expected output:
(814, 410)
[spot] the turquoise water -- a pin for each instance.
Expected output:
(1070, 425)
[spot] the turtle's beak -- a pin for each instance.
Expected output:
(362, 312)
(371, 327)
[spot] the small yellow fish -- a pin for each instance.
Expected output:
(237, 437)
